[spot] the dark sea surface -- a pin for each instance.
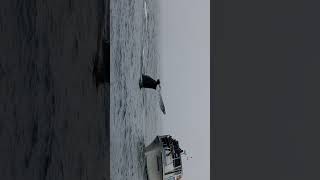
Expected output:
(134, 113)
(53, 117)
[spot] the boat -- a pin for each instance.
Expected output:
(163, 159)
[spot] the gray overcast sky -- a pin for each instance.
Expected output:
(185, 79)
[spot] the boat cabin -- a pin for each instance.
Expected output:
(164, 159)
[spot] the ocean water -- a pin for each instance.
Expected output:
(135, 116)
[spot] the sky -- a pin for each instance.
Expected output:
(185, 80)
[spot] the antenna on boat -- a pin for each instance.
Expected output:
(185, 154)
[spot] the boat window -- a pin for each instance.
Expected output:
(176, 162)
(171, 178)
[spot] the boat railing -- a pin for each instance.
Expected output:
(175, 171)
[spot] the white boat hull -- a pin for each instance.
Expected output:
(153, 155)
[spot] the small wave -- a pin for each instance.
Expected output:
(146, 14)
(143, 52)
(145, 10)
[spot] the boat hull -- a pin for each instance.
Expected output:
(153, 154)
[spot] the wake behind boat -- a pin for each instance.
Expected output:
(163, 158)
